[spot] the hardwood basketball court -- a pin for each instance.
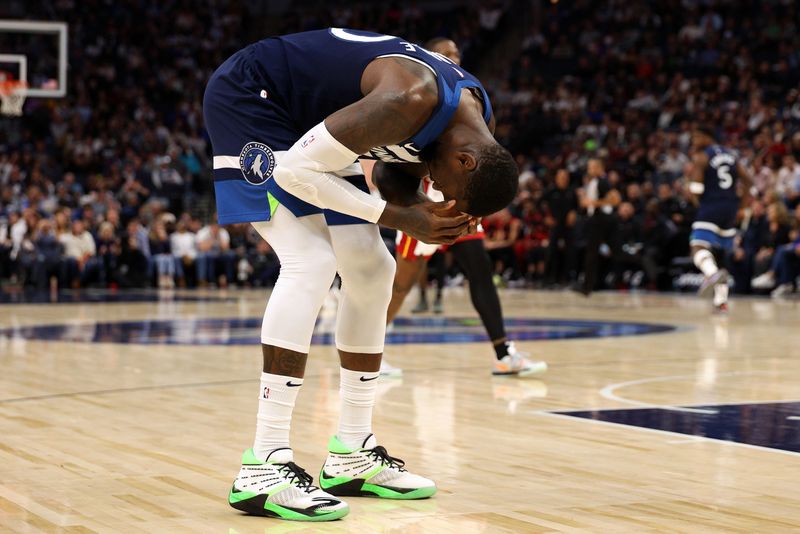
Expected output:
(139, 427)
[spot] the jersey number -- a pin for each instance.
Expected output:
(725, 178)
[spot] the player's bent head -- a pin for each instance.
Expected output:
(493, 184)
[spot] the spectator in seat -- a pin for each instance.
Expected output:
(777, 234)
(80, 262)
(213, 254)
(264, 264)
(161, 250)
(184, 249)
(108, 251)
(46, 257)
(785, 266)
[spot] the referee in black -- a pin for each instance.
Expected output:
(562, 204)
(600, 202)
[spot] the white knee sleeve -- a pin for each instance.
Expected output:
(308, 265)
(704, 260)
(367, 271)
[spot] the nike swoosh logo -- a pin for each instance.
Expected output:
(368, 379)
(289, 383)
(323, 502)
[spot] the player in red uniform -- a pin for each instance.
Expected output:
(469, 251)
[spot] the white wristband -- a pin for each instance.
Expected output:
(304, 171)
(697, 188)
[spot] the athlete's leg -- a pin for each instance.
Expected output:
(437, 261)
(716, 279)
(356, 465)
(474, 261)
(308, 265)
(408, 272)
(269, 483)
(704, 260)
(422, 283)
(367, 270)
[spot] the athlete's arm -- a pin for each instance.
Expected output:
(399, 97)
(399, 183)
(696, 185)
(746, 179)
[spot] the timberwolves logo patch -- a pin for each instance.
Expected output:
(257, 163)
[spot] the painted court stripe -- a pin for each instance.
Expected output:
(659, 406)
(655, 430)
(608, 392)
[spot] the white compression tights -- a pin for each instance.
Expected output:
(311, 253)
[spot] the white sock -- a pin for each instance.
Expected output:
(275, 404)
(720, 294)
(357, 392)
(704, 260)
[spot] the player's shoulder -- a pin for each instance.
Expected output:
(404, 81)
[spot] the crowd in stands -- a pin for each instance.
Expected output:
(625, 82)
(104, 187)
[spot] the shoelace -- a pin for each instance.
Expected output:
(295, 472)
(380, 454)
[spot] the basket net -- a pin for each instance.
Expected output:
(12, 97)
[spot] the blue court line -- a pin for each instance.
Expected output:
(771, 425)
(247, 331)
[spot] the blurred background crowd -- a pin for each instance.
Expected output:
(111, 185)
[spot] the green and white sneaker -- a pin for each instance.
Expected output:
(370, 472)
(280, 488)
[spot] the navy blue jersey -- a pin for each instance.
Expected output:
(720, 200)
(313, 74)
(263, 98)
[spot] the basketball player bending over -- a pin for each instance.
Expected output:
(288, 118)
(715, 179)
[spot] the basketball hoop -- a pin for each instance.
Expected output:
(12, 97)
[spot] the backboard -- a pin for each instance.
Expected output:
(35, 52)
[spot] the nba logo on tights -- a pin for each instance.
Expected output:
(265, 393)
(256, 162)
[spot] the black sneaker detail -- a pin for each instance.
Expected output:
(368, 379)
(276, 450)
(294, 472)
(254, 506)
(379, 453)
(354, 488)
(324, 501)
(347, 489)
(289, 383)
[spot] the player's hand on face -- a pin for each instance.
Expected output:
(472, 226)
(435, 223)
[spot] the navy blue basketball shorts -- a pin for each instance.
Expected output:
(249, 133)
(715, 225)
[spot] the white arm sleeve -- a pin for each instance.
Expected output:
(304, 171)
